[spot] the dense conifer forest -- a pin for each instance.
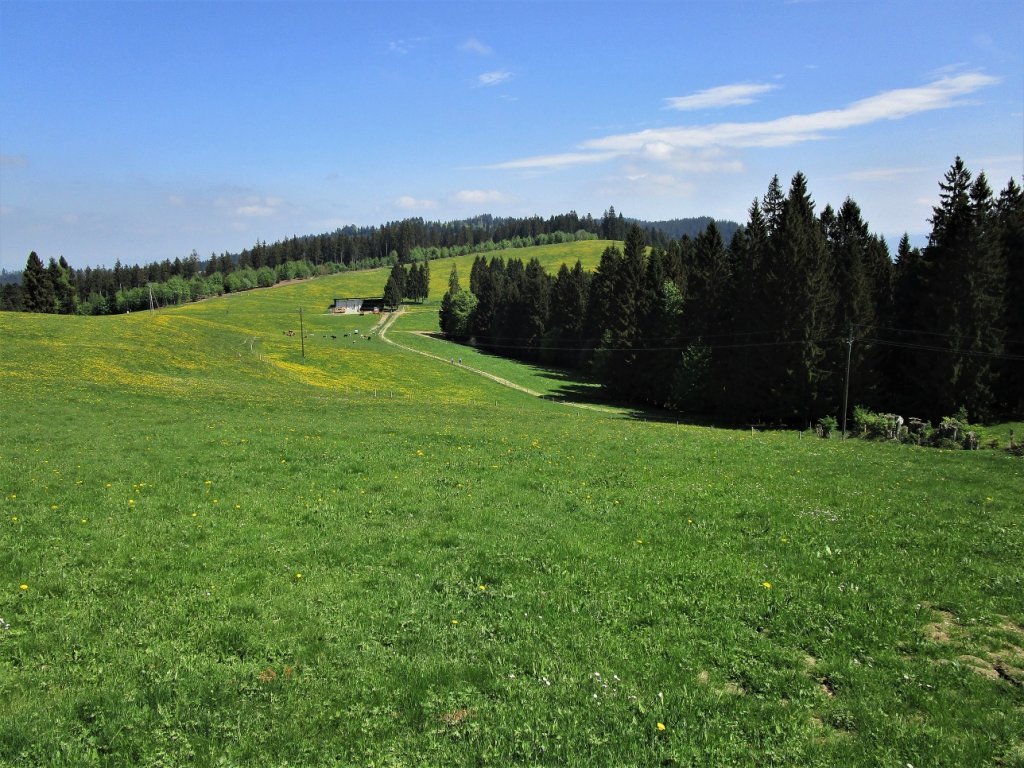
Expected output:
(764, 328)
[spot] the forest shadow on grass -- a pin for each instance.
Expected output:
(575, 386)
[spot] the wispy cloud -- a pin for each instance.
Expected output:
(250, 207)
(669, 143)
(497, 77)
(472, 45)
(548, 162)
(721, 96)
(480, 196)
(13, 161)
(404, 46)
(409, 203)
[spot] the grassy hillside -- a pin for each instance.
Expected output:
(216, 553)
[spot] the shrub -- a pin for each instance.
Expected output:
(826, 426)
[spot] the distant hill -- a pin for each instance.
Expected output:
(676, 229)
(10, 278)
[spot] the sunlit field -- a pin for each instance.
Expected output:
(216, 551)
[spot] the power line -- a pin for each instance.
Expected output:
(929, 348)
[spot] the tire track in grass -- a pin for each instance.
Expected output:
(386, 324)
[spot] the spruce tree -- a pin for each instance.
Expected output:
(453, 280)
(963, 278)
(399, 276)
(617, 353)
(568, 315)
(37, 287)
(61, 278)
(802, 288)
(851, 247)
(746, 392)
(1010, 223)
(392, 293)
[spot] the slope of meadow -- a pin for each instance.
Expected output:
(216, 553)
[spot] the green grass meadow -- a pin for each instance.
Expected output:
(216, 553)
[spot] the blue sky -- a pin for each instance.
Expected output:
(144, 130)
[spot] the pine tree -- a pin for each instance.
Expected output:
(1010, 222)
(64, 291)
(616, 354)
(903, 369)
(398, 275)
(453, 280)
(802, 290)
(963, 278)
(537, 302)
(568, 316)
(392, 293)
(851, 247)
(476, 273)
(773, 206)
(706, 319)
(38, 290)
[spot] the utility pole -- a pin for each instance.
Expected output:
(302, 337)
(846, 387)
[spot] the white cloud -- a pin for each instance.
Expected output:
(722, 96)
(13, 161)
(497, 77)
(249, 207)
(667, 143)
(480, 196)
(409, 203)
(255, 211)
(547, 162)
(402, 47)
(472, 45)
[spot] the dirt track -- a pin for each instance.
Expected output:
(386, 324)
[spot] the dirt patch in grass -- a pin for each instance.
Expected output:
(733, 688)
(995, 652)
(982, 667)
(940, 631)
(456, 716)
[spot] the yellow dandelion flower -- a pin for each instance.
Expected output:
(483, 587)
(298, 576)
(23, 587)
(455, 622)
(766, 584)
(14, 518)
(661, 726)
(131, 502)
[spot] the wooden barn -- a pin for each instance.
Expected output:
(353, 306)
